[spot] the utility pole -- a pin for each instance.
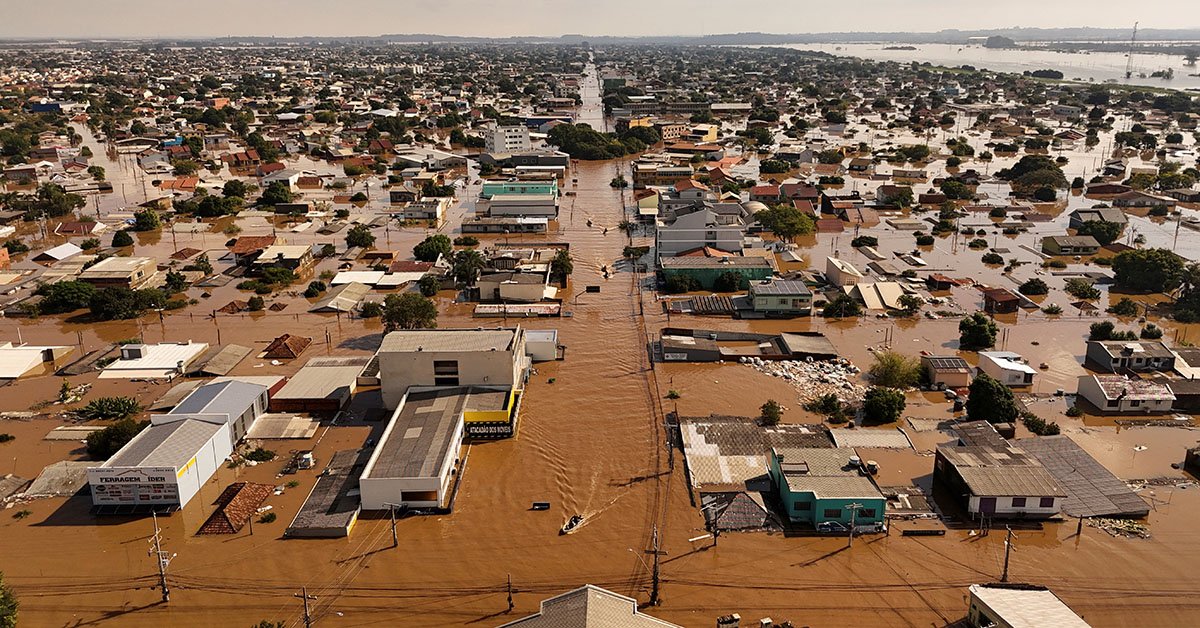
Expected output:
(654, 570)
(395, 539)
(510, 600)
(162, 558)
(1008, 537)
(853, 514)
(306, 597)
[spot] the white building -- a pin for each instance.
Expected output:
(163, 360)
(542, 344)
(161, 468)
(19, 360)
(841, 273)
(415, 461)
(1019, 606)
(166, 464)
(1119, 394)
(721, 227)
(507, 139)
(236, 403)
(451, 357)
(1006, 367)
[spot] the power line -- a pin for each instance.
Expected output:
(162, 557)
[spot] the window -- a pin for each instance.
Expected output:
(833, 513)
(445, 367)
(1047, 502)
(805, 506)
(1018, 502)
(1135, 403)
(869, 513)
(1112, 403)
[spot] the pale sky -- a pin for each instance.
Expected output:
(502, 18)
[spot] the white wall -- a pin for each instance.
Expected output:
(399, 370)
(1004, 506)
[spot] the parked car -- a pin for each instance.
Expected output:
(833, 527)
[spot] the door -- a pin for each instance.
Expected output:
(987, 505)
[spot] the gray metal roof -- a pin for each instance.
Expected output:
(779, 288)
(321, 380)
(1092, 490)
(448, 340)
(229, 397)
(421, 435)
(1002, 471)
(166, 445)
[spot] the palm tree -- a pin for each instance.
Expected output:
(467, 264)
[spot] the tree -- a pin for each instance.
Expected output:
(883, 405)
(175, 282)
(1105, 232)
(102, 444)
(561, 266)
(235, 189)
(1126, 307)
(1034, 287)
(277, 193)
(360, 236)
(433, 247)
(910, 303)
(1148, 270)
(977, 331)
(1081, 288)
(467, 265)
(146, 220)
(678, 283)
(771, 413)
(8, 605)
(727, 281)
(120, 303)
(842, 306)
(991, 401)
(255, 303)
(895, 370)
(429, 285)
(956, 190)
(409, 310)
(90, 244)
(65, 296)
(785, 222)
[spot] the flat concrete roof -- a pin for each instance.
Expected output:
(421, 436)
(450, 340)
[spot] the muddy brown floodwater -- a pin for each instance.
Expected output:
(591, 442)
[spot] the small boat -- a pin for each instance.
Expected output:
(571, 524)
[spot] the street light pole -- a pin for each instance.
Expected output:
(853, 514)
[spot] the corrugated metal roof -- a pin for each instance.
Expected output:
(230, 397)
(167, 445)
(1092, 490)
(421, 435)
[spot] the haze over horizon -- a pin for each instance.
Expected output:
(84, 19)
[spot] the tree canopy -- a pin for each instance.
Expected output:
(429, 249)
(785, 222)
(977, 331)
(409, 310)
(1148, 270)
(991, 401)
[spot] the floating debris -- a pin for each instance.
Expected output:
(812, 378)
(1121, 527)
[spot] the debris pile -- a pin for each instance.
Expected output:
(813, 379)
(1121, 527)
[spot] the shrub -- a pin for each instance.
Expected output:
(864, 241)
(6, 437)
(895, 370)
(727, 281)
(261, 455)
(925, 240)
(1125, 307)
(883, 405)
(255, 304)
(1053, 310)
(371, 309)
(466, 241)
(111, 408)
(267, 517)
(102, 444)
(992, 258)
(1074, 411)
(1034, 287)
(673, 394)
(314, 289)
(1151, 332)
(1081, 288)
(676, 284)
(771, 413)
